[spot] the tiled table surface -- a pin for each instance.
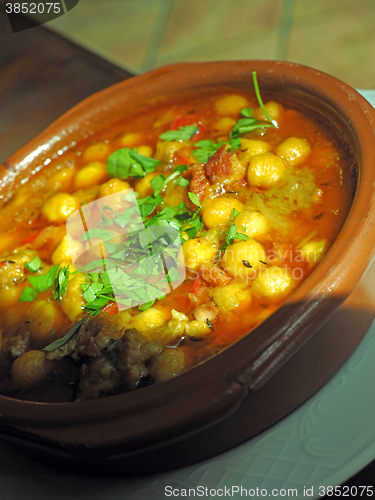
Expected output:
(336, 36)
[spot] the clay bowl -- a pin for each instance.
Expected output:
(226, 399)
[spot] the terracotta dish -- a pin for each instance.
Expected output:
(228, 398)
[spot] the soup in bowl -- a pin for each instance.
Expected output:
(172, 241)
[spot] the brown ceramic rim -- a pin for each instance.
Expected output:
(215, 388)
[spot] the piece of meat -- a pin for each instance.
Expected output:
(224, 167)
(17, 345)
(121, 365)
(219, 166)
(91, 338)
(199, 182)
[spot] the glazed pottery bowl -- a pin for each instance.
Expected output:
(131, 430)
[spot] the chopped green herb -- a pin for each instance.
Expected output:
(265, 263)
(206, 148)
(60, 342)
(143, 307)
(247, 264)
(194, 198)
(126, 162)
(182, 134)
(34, 265)
(60, 283)
(232, 234)
(181, 181)
(259, 98)
(44, 281)
(181, 168)
(28, 295)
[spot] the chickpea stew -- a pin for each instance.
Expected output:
(255, 195)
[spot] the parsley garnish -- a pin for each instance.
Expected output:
(28, 295)
(249, 123)
(60, 283)
(126, 162)
(182, 134)
(34, 265)
(44, 281)
(207, 148)
(232, 234)
(194, 198)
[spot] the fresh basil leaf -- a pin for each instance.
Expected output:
(60, 342)
(44, 281)
(182, 134)
(34, 265)
(28, 294)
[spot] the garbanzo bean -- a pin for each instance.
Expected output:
(230, 296)
(73, 302)
(42, 317)
(265, 170)
(251, 147)
(151, 319)
(218, 211)
(251, 223)
(143, 186)
(294, 150)
(274, 283)
(145, 150)
(196, 253)
(239, 256)
(59, 207)
(113, 186)
(224, 125)
(165, 150)
(313, 251)
(9, 295)
(64, 250)
(231, 105)
(30, 369)
(94, 173)
(96, 152)
(132, 139)
(61, 180)
(273, 108)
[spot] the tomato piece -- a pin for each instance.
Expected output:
(199, 286)
(110, 308)
(181, 121)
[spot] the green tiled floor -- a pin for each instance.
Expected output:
(336, 36)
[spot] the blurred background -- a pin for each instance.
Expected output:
(335, 36)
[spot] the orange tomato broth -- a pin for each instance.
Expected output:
(21, 220)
